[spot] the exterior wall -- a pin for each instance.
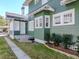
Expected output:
(33, 6)
(11, 32)
(65, 29)
(15, 30)
(39, 32)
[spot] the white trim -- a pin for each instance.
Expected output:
(44, 1)
(64, 2)
(40, 20)
(40, 41)
(47, 16)
(61, 15)
(37, 22)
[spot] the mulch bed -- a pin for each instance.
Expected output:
(62, 49)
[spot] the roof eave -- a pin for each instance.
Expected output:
(27, 2)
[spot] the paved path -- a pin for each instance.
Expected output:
(17, 51)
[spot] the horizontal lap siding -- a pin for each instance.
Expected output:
(67, 29)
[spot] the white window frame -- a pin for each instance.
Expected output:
(40, 19)
(44, 1)
(31, 25)
(36, 22)
(47, 16)
(62, 17)
(72, 11)
(56, 15)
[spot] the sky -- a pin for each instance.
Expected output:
(13, 6)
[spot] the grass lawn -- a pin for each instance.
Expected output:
(39, 51)
(5, 51)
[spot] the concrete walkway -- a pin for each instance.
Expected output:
(17, 51)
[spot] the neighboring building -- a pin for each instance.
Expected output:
(52, 16)
(17, 25)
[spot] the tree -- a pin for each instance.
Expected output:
(67, 40)
(3, 22)
(57, 39)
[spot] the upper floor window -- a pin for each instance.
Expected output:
(36, 1)
(47, 21)
(44, 1)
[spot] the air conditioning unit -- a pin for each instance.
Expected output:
(64, 2)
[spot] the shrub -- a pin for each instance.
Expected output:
(67, 40)
(48, 38)
(77, 44)
(57, 39)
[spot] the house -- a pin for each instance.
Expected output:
(52, 16)
(17, 25)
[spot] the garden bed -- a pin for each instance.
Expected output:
(63, 49)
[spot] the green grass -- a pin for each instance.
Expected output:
(39, 51)
(5, 51)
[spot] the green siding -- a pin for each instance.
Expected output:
(65, 29)
(33, 6)
(26, 25)
(39, 33)
(31, 33)
(68, 29)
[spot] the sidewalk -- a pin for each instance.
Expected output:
(17, 51)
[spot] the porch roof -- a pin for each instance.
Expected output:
(15, 16)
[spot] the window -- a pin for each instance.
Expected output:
(44, 1)
(64, 18)
(47, 21)
(57, 20)
(68, 17)
(36, 22)
(41, 22)
(36, 1)
(31, 25)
